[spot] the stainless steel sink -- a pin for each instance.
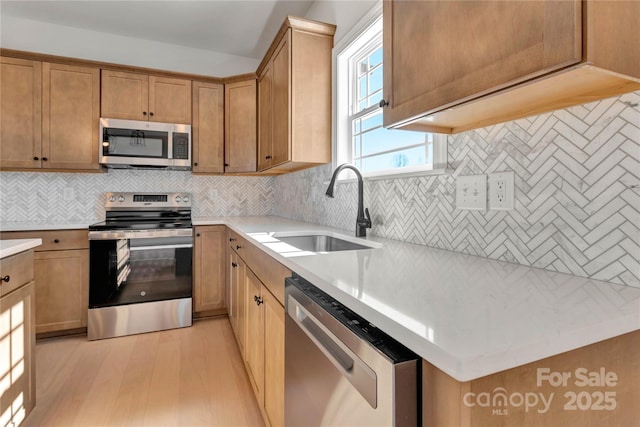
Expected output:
(321, 243)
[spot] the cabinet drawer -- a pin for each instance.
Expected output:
(53, 240)
(19, 269)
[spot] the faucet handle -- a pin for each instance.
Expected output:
(367, 217)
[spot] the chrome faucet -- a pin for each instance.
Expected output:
(363, 221)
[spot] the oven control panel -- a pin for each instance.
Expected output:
(147, 200)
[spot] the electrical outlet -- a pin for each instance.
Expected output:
(68, 194)
(501, 191)
(471, 192)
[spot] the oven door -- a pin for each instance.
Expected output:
(139, 266)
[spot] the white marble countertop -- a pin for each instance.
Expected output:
(45, 225)
(467, 315)
(12, 247)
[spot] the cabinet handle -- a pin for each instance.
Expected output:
(6, 278)
(144, 113)
(267, 157)
(257, 299)
(383, 103)
(238, 247)
(36, 158)
(151, 114)
(234, 265)
(56, 241)
(44, 159)
(197, 234)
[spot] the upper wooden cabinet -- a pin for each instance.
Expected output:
(295, 97)
(207, 129)
(240, 120)
(49, 116)
(455, 66)
(141, 97)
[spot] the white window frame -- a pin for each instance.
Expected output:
(367, 28)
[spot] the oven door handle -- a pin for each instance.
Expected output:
(148, 248)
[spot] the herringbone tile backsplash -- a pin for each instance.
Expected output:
(39, 196)
(577, 204)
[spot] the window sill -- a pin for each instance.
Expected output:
(380, 175)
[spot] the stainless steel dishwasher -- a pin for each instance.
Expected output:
(339, 369)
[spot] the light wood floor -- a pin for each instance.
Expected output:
(181, 377)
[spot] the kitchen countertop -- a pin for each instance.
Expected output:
(45, 225)
(12, 247)
(467, 315)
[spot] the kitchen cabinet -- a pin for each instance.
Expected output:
(17, 338)
(263, 335)
(207, 129)
(295, 97)
(600, 388)
(61, 277)
(143, 97)
(50, 114)
(240, 122)
(455, 66)
(209, 270)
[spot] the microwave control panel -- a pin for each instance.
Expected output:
(180, 145)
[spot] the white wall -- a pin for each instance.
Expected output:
(41, 37)
(343, 13)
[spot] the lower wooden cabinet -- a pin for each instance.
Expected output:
(62, 278)
(17, 339)
(209, 270)
(257, 318)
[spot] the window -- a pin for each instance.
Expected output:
(359, 136)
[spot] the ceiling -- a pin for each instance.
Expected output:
(241, 27)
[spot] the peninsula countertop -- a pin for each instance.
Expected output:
(15, 246)
(467, 315)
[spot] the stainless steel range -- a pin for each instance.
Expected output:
(140, 265)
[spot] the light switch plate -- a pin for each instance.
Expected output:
(501, 191)
(471, 192)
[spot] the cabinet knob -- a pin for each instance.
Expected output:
(267, 157)
(238, 247)
(257, 299)
(383, 103)
(144, 113)
(195, 164)
(197, 234)
(6, 278)
(226, 165)
(151, 114)
(234, 265)
(231, 239)
(56, 240)
(36, 158)
(44, 159)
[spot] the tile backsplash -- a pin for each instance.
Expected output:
(577, 204)
(40, 196)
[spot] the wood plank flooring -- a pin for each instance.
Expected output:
(181, 377)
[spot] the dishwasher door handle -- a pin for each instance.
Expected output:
(354, 369)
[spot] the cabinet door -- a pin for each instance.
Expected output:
(254, 339)
(281, 104)
(125, 95)
(169, 100)
(17, 355)
(240, 105)
(208, 128)
(264, 119)
(439, 54)
(70, 116)
(237, 303)
(20, 113)
(273, 358)
(209, 269)
(62, 279)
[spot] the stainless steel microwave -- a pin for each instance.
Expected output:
(138, 144)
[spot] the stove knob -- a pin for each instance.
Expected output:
(185, 199)
(112, 198)
(121, 198)
(178, 198)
